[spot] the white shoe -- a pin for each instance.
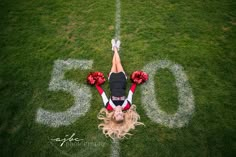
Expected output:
(118, 44)
(113, 44)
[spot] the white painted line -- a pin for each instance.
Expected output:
(185, 96)
(118, 20)
(115, 148)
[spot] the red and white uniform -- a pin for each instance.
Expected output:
(108, 103)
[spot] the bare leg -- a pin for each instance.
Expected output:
(116, 63)
(119, 67)
(113, 68)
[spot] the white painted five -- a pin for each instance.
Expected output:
(82, 94)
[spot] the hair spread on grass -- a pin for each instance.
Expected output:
(118, 130)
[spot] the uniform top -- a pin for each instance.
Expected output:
(109, 103)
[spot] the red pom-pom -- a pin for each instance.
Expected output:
(139, 77)
(96, 78)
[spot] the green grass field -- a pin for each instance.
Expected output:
(198, 35)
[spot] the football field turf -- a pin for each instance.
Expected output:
(48, 47)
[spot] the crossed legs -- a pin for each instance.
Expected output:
(116, 63)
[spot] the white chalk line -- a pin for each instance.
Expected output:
(117, 19)
(82, 94)
(185, 96)
(115, 147)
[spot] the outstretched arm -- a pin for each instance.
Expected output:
(131, 92)
(128, 101)
(103, 95)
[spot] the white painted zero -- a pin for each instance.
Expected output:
(185, 96)
(82, 94)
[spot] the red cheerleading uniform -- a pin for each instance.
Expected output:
(117, 86)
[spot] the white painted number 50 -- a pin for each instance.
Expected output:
(82, 95)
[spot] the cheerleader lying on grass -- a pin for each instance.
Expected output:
(119, 115)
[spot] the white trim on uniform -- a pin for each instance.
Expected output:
(124, 103)
(112, 104)
(104, 98)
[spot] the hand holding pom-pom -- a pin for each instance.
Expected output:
(139, 77)
(96, 78)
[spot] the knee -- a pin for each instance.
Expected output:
(118, 62)
(113, 62)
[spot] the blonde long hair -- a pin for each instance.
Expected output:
(118, 130)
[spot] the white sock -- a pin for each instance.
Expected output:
(113, 44)
(118, 44)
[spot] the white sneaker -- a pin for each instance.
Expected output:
(113, 44)
(118, 44)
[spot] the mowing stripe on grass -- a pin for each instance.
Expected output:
(82, 94)
(185, 96)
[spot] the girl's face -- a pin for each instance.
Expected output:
(118, 114)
